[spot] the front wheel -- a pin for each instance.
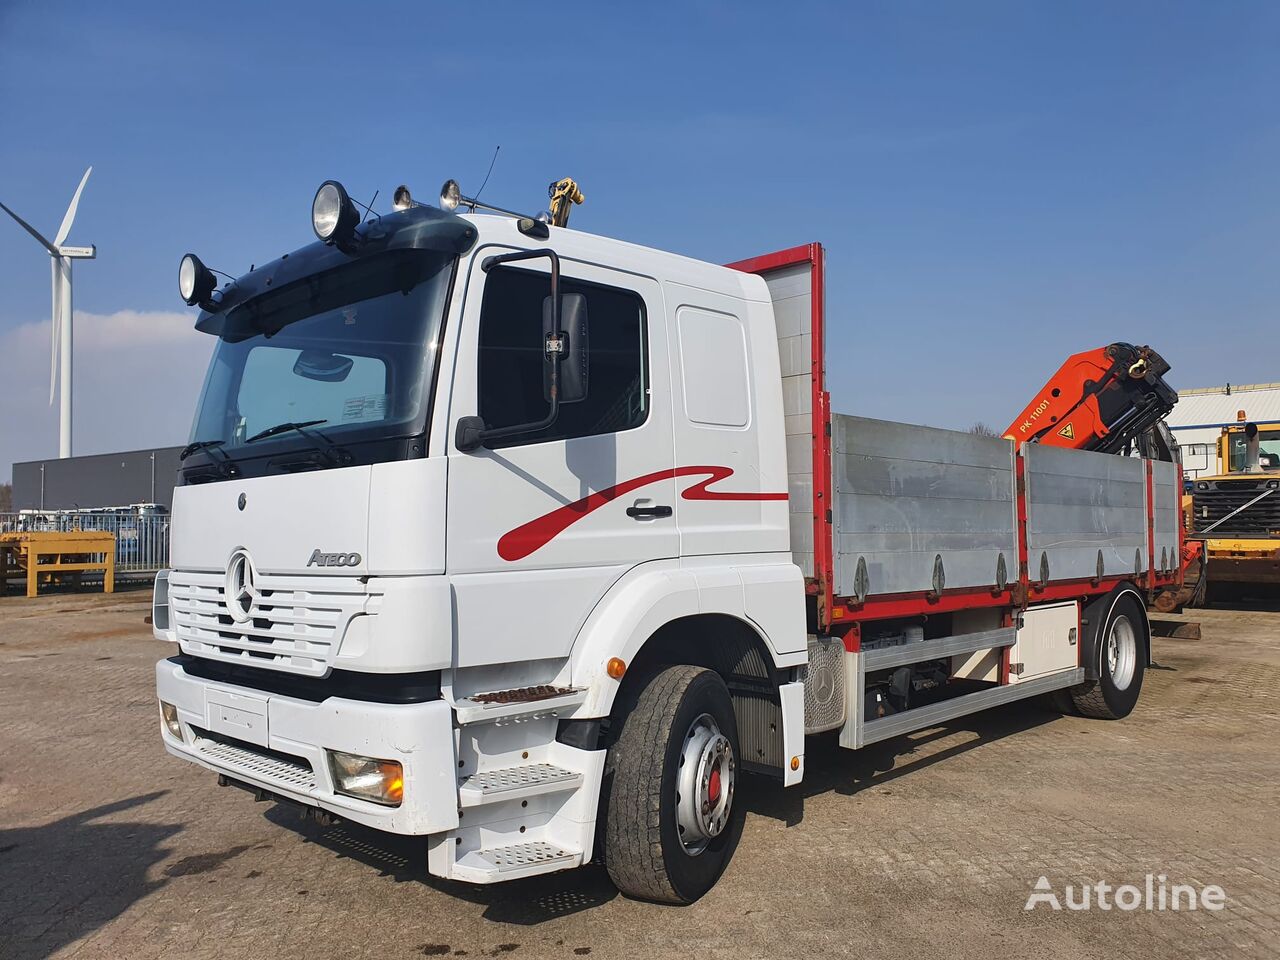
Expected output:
(671, 822)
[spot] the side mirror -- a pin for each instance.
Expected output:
(567, 346)
(323, 365)
(470, 434)
(564, 371)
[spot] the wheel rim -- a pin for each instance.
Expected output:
(704, 784)
(1122, 652)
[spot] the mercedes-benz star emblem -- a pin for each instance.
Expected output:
(241, 587)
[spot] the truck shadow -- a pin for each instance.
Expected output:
(64, 880)
(829, 768)
(522, 902)
(538, 899)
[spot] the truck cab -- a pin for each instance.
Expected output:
(398, 565)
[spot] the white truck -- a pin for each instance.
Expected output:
(533, 542)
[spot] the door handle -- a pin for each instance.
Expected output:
(648, 513)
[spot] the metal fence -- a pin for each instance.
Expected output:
(142, 535)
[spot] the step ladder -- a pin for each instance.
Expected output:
(525, 811)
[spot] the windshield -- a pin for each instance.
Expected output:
(338, 363)
(1268, 450)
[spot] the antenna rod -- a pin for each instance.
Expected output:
(489, 171)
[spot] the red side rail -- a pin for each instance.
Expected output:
(823, 560)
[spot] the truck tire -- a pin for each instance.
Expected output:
(1117, 654)
(671, 823)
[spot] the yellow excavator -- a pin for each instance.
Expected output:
(1236, 512)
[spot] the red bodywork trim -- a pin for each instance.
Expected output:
(820, 402)
(848, 610)
(537, 533)
(1020, 493)
(1151, 529)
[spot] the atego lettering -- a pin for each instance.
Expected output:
(321, 559)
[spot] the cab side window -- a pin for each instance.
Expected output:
(511, 359)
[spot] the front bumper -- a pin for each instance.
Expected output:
(419, 735)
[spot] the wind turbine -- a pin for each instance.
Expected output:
(62, 313)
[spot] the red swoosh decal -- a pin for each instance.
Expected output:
(526, 538)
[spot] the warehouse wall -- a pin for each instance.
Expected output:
(104, 480)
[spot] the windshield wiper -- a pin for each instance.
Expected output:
(224, 465)
(191, 448)
(280, 428)
(335, 454)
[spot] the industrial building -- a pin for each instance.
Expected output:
(102, 480)
(1200, 415)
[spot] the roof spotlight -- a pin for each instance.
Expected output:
(195, 280)
(401, 199)
(333, 216)
(450, 195)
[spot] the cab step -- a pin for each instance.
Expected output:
(515, 861)
(518, 706)
(515, 783)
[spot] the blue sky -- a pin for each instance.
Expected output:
(998, 184)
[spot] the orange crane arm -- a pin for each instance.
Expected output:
(1098, 400)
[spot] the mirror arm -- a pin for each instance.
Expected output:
(467, 436)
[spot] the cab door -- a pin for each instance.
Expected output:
(539, 525)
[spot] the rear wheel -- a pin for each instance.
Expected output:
(671, 822)
(1118, 655)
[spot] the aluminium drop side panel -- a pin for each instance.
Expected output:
(906, 496)
(1166, 492)
(1082, 505)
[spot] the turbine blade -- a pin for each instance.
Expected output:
(31, 230)
(71, 210)
(55, 325)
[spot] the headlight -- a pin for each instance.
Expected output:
(195, 280)
(450, 195)
(169, 713)
(381, 781)
(1273, 484)
(333, 216)
(1202, 485)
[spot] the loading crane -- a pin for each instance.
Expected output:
(1101, 400)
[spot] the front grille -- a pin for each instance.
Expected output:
(261, 764)
(1259, 519)
(296, 625)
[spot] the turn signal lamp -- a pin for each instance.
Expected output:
(616, 667)
(367, 778)
(169, 713)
